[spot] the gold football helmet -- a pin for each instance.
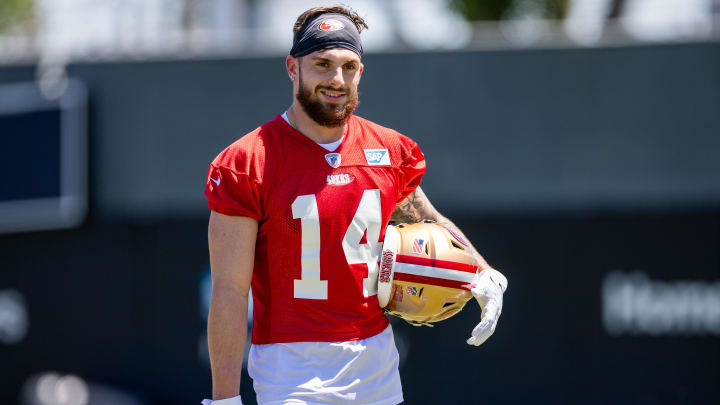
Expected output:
(423, 269)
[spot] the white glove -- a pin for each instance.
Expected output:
(227, 401)
(487, 288)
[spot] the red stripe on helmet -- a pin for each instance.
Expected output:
(413, 278)
(443, 264)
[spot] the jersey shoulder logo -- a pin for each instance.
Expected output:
(377, 157)
(333, 159)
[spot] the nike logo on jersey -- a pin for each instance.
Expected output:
(339, 179)
(217, 182)
(333, 159)
(377, 157)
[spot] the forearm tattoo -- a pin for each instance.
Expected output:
(414, 208)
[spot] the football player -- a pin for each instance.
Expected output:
(299, 208)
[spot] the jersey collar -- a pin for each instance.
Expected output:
(349, 136)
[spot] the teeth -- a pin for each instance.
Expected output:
(332, 95)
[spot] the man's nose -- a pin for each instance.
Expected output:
(336, 78)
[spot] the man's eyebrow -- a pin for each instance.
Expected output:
(321, 59)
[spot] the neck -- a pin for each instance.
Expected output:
(318, 133)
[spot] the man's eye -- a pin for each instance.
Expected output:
(350, 67)
(322, 64)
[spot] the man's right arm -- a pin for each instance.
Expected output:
(232, 252)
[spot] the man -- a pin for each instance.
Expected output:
(299, 210)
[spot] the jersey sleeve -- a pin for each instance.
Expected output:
(232, 193)
(412, 169)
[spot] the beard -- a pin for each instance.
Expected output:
(329, 115)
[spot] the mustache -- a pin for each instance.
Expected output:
(343, 89)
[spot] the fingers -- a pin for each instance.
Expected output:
(489, 294)
(481, 327)
(489, 318)
(488, 322)
(484, 331)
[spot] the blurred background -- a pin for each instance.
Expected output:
(575, 142)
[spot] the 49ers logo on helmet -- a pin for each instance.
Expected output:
(330, 25)
(386, 267)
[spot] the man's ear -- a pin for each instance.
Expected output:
(291, 65)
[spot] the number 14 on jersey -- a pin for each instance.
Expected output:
(367, 218)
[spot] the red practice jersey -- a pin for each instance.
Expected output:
(322, 218)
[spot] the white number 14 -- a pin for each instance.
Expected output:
(368, 218)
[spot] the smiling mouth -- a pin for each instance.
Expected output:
(332, 94)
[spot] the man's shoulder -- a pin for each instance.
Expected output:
(248, 149)
(366, 124)
(387, 136)
(256, 139)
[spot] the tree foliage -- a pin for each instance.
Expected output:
(14, 13)
(494, 10)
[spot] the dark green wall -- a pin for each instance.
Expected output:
(504, 132)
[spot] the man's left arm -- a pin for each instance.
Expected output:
(489, 284)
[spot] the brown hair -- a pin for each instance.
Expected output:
(310, 15)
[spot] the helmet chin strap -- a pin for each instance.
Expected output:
(416, 323)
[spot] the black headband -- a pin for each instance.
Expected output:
(327, 31)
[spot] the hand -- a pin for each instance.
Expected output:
(487, 288)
